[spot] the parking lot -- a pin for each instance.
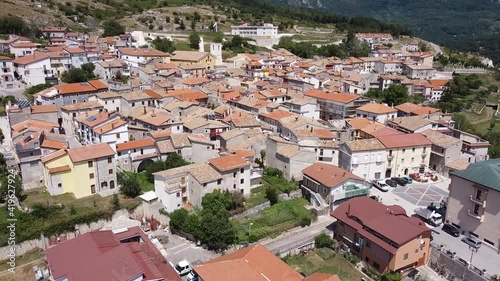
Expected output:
(416, 195)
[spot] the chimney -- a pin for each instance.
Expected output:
(112, 125)
(312, 129)
(145, 111)
(343, 175)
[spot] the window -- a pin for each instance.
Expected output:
(110, 171)
(234, 175)
(413, 149)
(178, 194)
(242, 170)
(234, 186)
(110, 160)
(33, 164)
(416, 250)
(118, 135)
(425, 148)
(91, 164)
(91, 175)
(59, 185)
(412, 159)
(478, 194)
(476, 209)
(119, 153)
(219, 181)
(403, 150)
(402, 160)
(142, 151)
(204, 185)
(405, 257)
(390, 152)
(242, 181)
(111, 184)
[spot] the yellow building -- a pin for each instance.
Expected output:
(82, 171)
(406, 154)
(193, 57)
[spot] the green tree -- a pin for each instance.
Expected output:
(196, 16)
(164, 45)
(89, 68)
(216, 200)
(193, 25)
(75, 75)
(272, 194)
(262, 160)
(194, 40)
(115, 202)
(112, 28)
(323, 241)
(182, 26)
(178, 218)
(129, 184)
(167, 19)
(216, 230)
(218, 37)
(388, 276)
(395, 95)
(423, 46)
(14, 25)
(35, 89)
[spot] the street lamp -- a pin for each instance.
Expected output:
(472, 251)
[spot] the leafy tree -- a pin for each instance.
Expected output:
(262, 160)
(37, 88)
(192, 225)
(167, 19)
(196, 16)
(129, 184)
(164, 45)
(75, 75)
(218, 37)
(395, 95)
(216, 200)
(388, 276)
(89, 68)
(72, 210)
(173, 160)
(194, 40)
(216, 230)
(178, 218)
(115, 202)
(273, 172)
(423, 47)
(272, 194)
(182, 26)
(112, 28)
(151, 27)
(14, 25)
(323, 241)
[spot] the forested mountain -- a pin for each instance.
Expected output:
(469, 25)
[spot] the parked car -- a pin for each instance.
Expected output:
(451, 229)
(407, 179)
(413, 274)
(192, 276)
(399, 181)
(391, 183)
(472, 241)
(380, 185)
(183, 267)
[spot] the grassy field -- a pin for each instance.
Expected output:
(324, 261)
(274, 220)
(257, 197)
(482, 122)
(23, 259)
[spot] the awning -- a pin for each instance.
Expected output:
(149, 196)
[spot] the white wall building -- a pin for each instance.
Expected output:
(265, 35)
(365, 158)
(33, 69)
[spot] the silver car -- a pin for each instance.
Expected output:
(472, 241)
(380, 185)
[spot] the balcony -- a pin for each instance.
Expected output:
(479, 201)
(476, 216)
(390, 157)
(353, 190)
(424, 154)
(469, 151)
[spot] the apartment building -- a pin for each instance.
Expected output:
(303, 106)
(473, 201)
(110, 69)
(474, 148)
(264, 35)
(82, 171)
(33, 69)
(64, 94)
(383, 236)
(336, 105)
(406, 154)
(136, 57)
(6, 73)
(444, 150)
(376, 112)
(365, 158)
(135, 155)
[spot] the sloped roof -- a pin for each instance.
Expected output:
(485, 173)
(230, 162)
(90, 152)
(328, 175)
(135, 144)
(404, 140)
(376, 108)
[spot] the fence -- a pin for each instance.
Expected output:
(451, 267)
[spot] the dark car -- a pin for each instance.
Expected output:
(413, 274)
(399, 181)
(391, 183)
(451, 229)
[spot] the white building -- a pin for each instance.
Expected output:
(33, 69)
(6, 73)
(376, 112)
(264, 35)
(365, 158)
(22, 49)
(137, 154)
(307, 107)
(139, 56)
(109, 69)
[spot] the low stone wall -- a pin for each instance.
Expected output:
(252, 211)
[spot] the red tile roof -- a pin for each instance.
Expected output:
(404, 140)
(90, 152)
(23, 45)
(328, 175)
(52, 144)
(377, 108)
(230, 162)
(277, 114)
(43, 108)
(254, 263)
(335, 97)
(135, 144)
(31, 58)
(415, 109)
(390, 222)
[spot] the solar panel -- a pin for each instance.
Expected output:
(91, 118)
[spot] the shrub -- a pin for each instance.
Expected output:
(272, 194)
(177, 219)
(388, 276)
(323, 241)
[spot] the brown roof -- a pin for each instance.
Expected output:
(53, 155)
(90, 152)
(82, 105)
(458, 165)
(37, 124)
(365, 145)
(230, 162)
(377, 108)
(23, 45)
(404, 140)
(30, 58)
(142, 52)
(59, 169)
(410, 123)
(109, 126)
(135, 144)
(440, 139)
(335, 97)
(253, 263)
(411, 108)
(43, 108)
(328, 175)
(277, 114)
(188, 56)
(390, 222)
(52, 144)
(359, 123)
(161, 134)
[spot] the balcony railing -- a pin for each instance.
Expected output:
(479, 201)
(476, 216)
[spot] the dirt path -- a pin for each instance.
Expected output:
(487, 118)
(20, 273)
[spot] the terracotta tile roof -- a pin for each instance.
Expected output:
(98, 85)
(53, 144)
(288, 151)
(161, 134)
(48, 108)
(365, 145)
(438, 84)
(180, 140)
(253, 263)
(74, 50)
(245, 153)
(109, 126)
(458, 165)
(36, 124)
(359, 123)
(5, 58)
(243, 122)
(156, 118)
(28, 59)
(276, 114)
(53, 155)
(440, 139)
(90, 152)
(230, 162)
(404, 140)
(415, 109)
(203, 173)
(328, 175)
(321, 277)
(233, 95)
(390, 222)
(142, 52)
(142, 143)
(82, 105)
(136, 95)
(87, 119)
(410, 123)
(23, 45)
(335, 97)
(188, 56)
(187, 95)
(59, 169)
(377, 108)
(383, 132)
(194, 81)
